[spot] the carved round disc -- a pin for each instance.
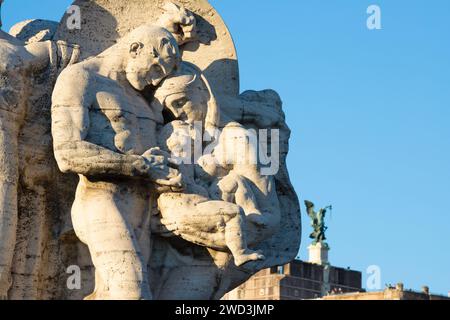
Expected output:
(105, 21)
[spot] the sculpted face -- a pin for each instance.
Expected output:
(185, 96)
(189, 106)
(151, 60)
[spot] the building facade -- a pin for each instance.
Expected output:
(298, 281)
(392, 293)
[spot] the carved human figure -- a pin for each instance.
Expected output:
(199, 215)
(105, 131)
(20, 65)
(235, 175)
(192, 214)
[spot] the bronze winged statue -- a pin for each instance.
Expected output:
(317, 222)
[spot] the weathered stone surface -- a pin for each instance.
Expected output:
(141, 224)
(28, 172)
(105, 21)
(30, 31)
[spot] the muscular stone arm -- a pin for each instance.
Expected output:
(70, 127)
(85, 158)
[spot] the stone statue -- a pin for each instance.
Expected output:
(133, 171)
(22, 92)
(105, 131)
(317, 222)
(188, 98)
(224, 202)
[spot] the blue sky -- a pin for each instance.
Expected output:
(369, 112)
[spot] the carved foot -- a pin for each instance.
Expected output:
(245, 258)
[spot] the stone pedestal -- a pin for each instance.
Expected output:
(318, 253)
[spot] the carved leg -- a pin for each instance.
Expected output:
(236, 241)
(8, 198)
(120, 263)
(213, 224)
(236, 189)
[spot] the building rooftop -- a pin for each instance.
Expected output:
(391, 293)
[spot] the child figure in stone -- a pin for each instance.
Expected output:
(221, 223)
(235, 177)
(192, 214)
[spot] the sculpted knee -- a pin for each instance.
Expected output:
(231, 211)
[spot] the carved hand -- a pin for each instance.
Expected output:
(162, 170)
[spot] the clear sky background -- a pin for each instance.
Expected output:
(369, 113)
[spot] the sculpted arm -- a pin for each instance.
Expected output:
(72, 98)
